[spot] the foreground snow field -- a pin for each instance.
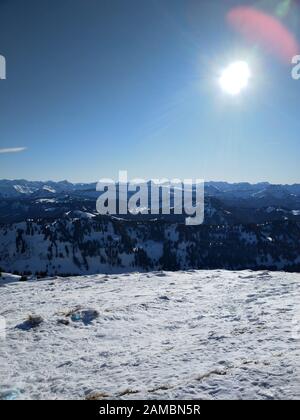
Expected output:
(187, 335)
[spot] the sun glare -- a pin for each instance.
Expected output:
(235, 78)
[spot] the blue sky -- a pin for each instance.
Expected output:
(96, 86)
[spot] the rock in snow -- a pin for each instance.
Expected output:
(183, 335)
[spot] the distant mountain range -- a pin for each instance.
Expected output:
(20, 188)
(261, 191)
(225, 203)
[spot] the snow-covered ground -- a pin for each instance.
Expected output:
(189, 335)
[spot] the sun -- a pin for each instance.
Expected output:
(235, 78)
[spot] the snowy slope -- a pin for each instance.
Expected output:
(88, 245)
(198, 334)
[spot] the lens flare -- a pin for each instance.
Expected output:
(264, 30)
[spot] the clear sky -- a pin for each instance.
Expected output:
(97, 86)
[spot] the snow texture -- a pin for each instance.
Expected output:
(183, 335)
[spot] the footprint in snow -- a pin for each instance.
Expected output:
(164, 298)
(10, 395)
(85, 316)
(32, 321)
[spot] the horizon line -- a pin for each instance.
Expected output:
(95, 182)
